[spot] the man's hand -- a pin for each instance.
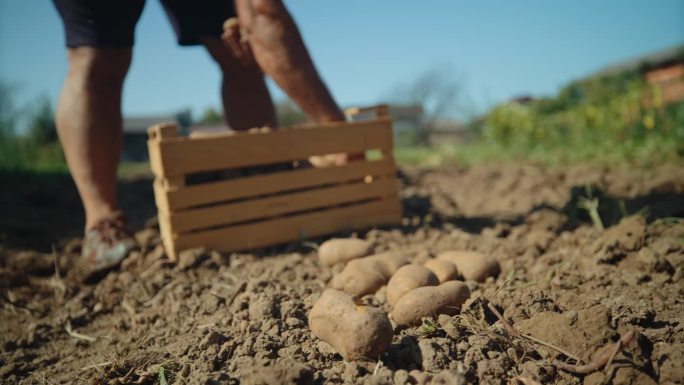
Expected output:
(235, 39)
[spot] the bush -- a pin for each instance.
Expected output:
(607, 113)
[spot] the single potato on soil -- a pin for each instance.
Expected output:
(407, 278)
(338, 250)
(366, 275)
(446, 298)
(355, 331)
(471, 265)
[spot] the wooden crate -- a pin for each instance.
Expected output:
(274, 207)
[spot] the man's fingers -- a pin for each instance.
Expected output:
(248, 57)
(236, 40)
(231, 36)
(230, 42)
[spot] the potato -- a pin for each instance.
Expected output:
(444, 270)
(472, 266)
(407, 278)
(366, 275)
(446, 298)
(338, 250)
(355, 331)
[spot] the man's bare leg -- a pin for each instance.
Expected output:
(279, 50)
(89, 125)
(246, 100)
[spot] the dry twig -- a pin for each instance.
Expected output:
(106, 363)
(551, 346)
(604, 359)
(511, 330)
(78, 335)
(516, 334)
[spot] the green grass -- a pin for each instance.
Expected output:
(19, 157)
(644, 153)
(134, 169)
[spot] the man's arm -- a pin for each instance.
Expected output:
(278, 49)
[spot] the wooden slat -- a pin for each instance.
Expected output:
(161, 196)
(273, 206)
(168, 240)
(163, 130)
(252, 186)
(156, 134)
(164, 223)
(302, 226)
(180, 156)
(155, 157)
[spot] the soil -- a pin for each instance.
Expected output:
(216, 318)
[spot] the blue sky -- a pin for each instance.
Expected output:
(364, 49)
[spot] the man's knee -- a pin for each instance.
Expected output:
(99, 66)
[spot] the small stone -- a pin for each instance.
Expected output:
(401, 377)
(293, 322)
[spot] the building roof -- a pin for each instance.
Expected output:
(653, 59)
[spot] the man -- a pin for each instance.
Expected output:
(99, 38)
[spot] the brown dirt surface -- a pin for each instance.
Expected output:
(228, 318)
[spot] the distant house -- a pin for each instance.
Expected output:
(135, 136)
(449, 132)
(663, 69)
(669, 78)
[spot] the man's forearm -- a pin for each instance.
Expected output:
(280, 52)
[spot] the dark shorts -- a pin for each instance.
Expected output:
(111, 23)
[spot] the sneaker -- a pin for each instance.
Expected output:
(105, 246)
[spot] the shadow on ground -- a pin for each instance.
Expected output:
(39, 211)
(42, 210)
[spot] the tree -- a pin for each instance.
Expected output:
(211, 116)
(184, 119)
(8, 112)
(289, 114)
(436, 91)
(41, 122)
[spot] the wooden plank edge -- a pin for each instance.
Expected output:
(299, 227)
(167, 236)
(279, 205)
(258, 185)
(182, 156)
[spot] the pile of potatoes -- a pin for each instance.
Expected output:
(414, 291)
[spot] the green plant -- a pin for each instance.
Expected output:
(616, 117)
(429, 327)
